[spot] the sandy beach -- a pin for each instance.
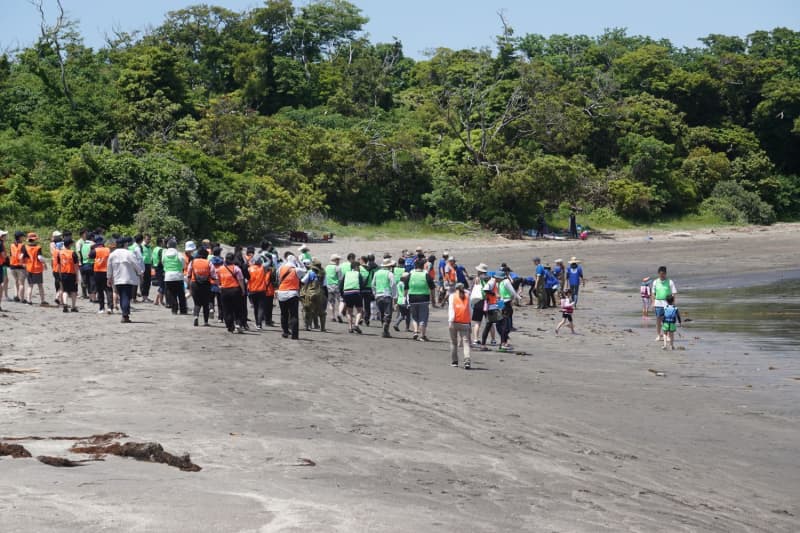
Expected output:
(346, 433)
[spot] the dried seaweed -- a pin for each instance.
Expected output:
(16, 451)
(61, 461)
(141, 451)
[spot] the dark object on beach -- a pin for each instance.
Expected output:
(304, 462)
(658, 373)
(141, 451)
(4, 370)
(61, 461)
(94, 439)
(16, 451)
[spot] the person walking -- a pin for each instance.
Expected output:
(232, 290)
(459, 315)
(99, 256)
(333, 275)
(158, 265)
(419, 299)
(663, 288)
(575, 278)
(383, 285)
(257, 290)
(288, 293)
(478, 299)
(124, 273)
(17, 267)
(201, 275)
(401, 296)
(351, 288)
(35, 266)
(67, 266)
(173, 278)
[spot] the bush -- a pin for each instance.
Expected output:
(732, 203)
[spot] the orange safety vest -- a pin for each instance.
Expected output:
(288, 279)
(54, 256)
(101, 254)
(33, 265)
(66, 261)
(461, 309)
(16, 254)
(188, 259)
(258, 279)
(201, 267)
(491, 296)
(450, 277)
(227, 279)
(269, 284)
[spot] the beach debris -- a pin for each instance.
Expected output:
(658, 373)
(302, 461)
(680, 234)
(4, 370)
(62, 461)
(772, 368)
(94, 439)
(17, 451)
(151, 452)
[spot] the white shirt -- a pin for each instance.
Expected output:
(672, 290)
(123, 269)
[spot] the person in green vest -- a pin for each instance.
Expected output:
(350, 287)
(147, 258)
(419, 298)
(173, 260)
(368, 268)
(87, 265)
(158, 266)
(333, 275)
(663, 287)
(344, 268)
(305, 253)
(383, 286)
(401, 297)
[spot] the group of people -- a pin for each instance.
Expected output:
(114, 271)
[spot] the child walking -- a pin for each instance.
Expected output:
(645, 293)
(567, 308)
(671, 316)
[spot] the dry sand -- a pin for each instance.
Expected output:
(576, 436)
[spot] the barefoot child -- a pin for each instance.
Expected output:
(645, 293)
(671, 316)
(567, 308)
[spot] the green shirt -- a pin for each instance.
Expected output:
(401, 292)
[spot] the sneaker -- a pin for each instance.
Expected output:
(109, 311)
(396, 328)
(467, 365)
(258, 328)
(659, 338)
(239, 329)
(16, 299)
(415, 336)
(386, 335)
(101, 312)
(504, 349)
(339, 320)
(454, 364)
(483, 348)
(357, 329)
(66, 309)
(494, 343)
(286, 335)
(425, 339)
(74, 310)
(196, 322)
(125, 320)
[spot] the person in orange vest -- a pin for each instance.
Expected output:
(271, 282)
(17, 267)
(3, 263)
(34, 263)
(100, 268)
(201, 276)
(67, 265)
(56, 244)
(232, 289)
(459, 316)
(289, 276)
(257, 289)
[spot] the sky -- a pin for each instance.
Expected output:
(427, 24)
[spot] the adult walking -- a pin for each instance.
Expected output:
(232, 289)
(67, 267)
(173, 262)
(17, 267)
(35, 265)
(201, 275)
(99, 256)
(383, 284)
(459, 314)
(663, 288)
(333, 275)
(288, 293)
(419, 299)
(575, 278)
(257, 290)
(124, 273)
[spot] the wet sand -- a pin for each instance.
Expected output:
(579, 435)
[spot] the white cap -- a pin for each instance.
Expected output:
(56, 233)
(190, 246)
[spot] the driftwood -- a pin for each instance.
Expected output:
(141, 451)
(4, 370)
(62, 461)
(17, 451)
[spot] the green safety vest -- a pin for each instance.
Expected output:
(85, 250)
(662, 289)
(505, 294)
(307, 255)
(382, 283)
(398, 272)
(345, 267)
(352, 280)
(401, 296)
(418, 284)
(147, 254)
(172, 264)
(367, 274)
(331, 275)
(157, 256)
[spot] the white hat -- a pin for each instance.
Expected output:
(558, 261)
(483, 267)
(190, 246)
(56, 233)
(304, 248)
(3, 233)
(419, 249)
(451, 259)
(573, 259)
(336, 257)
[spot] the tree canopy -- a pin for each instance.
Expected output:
(232, 124)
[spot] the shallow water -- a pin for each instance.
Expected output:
(769, 314)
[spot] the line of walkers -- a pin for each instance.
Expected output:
(113, 272)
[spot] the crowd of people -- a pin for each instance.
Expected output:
(240, 287)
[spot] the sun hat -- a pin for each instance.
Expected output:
(557, 261)
(56, 233)
(33, 237)
(306, 261)
(336, 257)
(451, 259)
(446, 253)
(303, 248)
(3, 233)
(483, 267)
(419, 249)
(573, 259)
(190, 246)
(388, 262)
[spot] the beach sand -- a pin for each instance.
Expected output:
(578, 435)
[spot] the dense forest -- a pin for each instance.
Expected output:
(233, 124)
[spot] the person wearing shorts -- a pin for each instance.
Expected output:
(662, 288)
(419, 299)
(67, 264)
(351, 286)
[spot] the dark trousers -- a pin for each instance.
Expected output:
(146, 281)
(270, 305)
(404, 313)
(259, 300)
(367, 298)
(502, 327)
(232, 307)
(176, 298)
(101, 282)
(290, 322)
(201, 296)
(87, 281)
(385, 310)
(126, 293)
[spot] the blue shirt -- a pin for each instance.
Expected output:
(442, 264)
(550, 280)
(461, 275)
(574, 276)
(409, 264)
(540, 270)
